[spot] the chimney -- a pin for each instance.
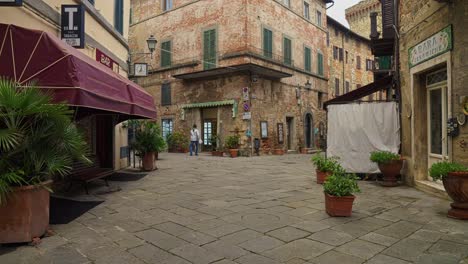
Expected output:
(374, 33)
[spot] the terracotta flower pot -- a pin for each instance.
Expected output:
(456, 185)
(233, 152)
(278, 151)
(25, 215)
(322, 176)
(390, 172)
(339, 206)
(149, 161)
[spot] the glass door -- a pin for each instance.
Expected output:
(437, 124)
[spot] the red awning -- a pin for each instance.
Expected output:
(366, 90)
(73, 78)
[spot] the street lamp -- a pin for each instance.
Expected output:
(308, 85)
(151, 41)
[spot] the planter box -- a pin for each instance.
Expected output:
(25, 215)
(339, 206)
(456, 185)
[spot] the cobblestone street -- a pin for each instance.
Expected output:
(250, 211)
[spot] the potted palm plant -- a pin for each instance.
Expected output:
(38, 142)
(339, 189)
(214, 144)
(324, 167)
(454, 176)
(148, 143)
(232, 144)
(390, 165)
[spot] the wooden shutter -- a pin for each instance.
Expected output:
(287, 51)
(388, 18)
(307, 59)
(337, 87)
(358, 62)
(166, 94)
(267, 43)
(320, 64)
(118, 16)
(341, 54)
(166, 54)
(209, 49)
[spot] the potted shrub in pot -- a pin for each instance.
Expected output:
(38, 142)
(214, 144)
(178, 142)
(232, 144)
(390, 165)
(454, 176)
(324, 167)
(339, 189)
(148, 142)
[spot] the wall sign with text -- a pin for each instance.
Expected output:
(264, 129)
(73, 25)
(431, 47)
(280, 133)
(106, 60)
(11, 2)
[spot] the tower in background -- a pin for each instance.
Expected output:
(358, 16)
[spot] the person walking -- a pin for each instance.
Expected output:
(194, 140)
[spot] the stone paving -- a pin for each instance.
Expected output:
(250, 211)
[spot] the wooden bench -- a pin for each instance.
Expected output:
(86, 173)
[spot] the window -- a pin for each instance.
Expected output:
(287, 3)
(347, 87)
(91, 2)
(130, 17)
(320, 64)
(358, 62)
(166, 54)
(369, 65)
(341, 54)
(319, 18)
(287, 51)
(346, 56)
(207, 132)
(167, 127)
(166, 94)
(328, 38)
(336, 32)
(337, 87)
(346, 38)
(307, 59)
(320, 99)
(167, 5)
(209, 49)
(335, 52)
(307, 10)
(267, 43)
(118, 16)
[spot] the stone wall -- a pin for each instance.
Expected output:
(358, 16)
(419, 20)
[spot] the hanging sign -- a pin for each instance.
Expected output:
(73, 25)
(431, 47)
(141, 69)
(11, 2)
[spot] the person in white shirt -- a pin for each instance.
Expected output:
(194, 138)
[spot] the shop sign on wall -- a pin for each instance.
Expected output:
(104, 59)
(11, 2)
(72, 27)
(431, 47)
(280, 133)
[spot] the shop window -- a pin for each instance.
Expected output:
(166, 94)
(167, 127)
(166, 54)
(267, 43)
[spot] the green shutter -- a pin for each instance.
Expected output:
(118, 16)
(287, 51)
(307, 60)
(166, 54)
(209, 49)
(320, 64)
(267, 43)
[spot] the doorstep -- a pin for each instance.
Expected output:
(434, 188)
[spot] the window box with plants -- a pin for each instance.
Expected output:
(148, 143)
(339, 189)
(324, 167)
(390, 165)
(38, 143)
(232, 144)
(215, 149)
(178, 142)
(454, 176)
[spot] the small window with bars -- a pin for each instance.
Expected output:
(167, 127)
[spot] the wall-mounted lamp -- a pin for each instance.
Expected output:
(308, 85)
(151, 41)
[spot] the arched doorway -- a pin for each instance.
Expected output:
(308, 133)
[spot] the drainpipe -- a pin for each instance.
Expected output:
(396, 53)
(343, 61)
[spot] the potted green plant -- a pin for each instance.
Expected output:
(178, 142)
(38, 142)
(232, 144)
(454, 176)
(214, 144)
(390, 165)
(148, 142)
(324, 166)
(339, 189)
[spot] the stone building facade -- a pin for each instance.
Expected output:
(358, 16)
(350, 61)
(106, 32)
(434, 77)
(229, 66)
